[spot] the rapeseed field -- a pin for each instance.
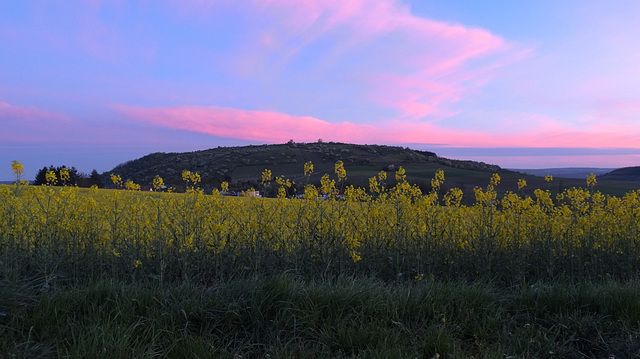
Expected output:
(387, 232)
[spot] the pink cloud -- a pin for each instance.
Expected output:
(277, 127)
(415, 65)
(36, 126)
(421, 66)
(9, 112)
(415, 97)
(29, 124)
(621, 110)
(243, 124)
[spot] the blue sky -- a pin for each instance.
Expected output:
(521, 84)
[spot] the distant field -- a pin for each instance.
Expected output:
(568, 172)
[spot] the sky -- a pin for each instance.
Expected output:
(520, 84)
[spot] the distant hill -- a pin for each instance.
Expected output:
(568, 172)
(623, 174)
(242, 166)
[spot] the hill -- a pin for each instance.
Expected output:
(566, 172)
(243, 166)
(623, 174)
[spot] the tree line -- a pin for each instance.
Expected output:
(75, 178)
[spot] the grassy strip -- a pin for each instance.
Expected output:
(289, 317)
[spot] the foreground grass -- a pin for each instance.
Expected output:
(287, 316)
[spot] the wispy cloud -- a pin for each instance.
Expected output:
(29, 124)
(414, 65)
(247, 125)
(277, 127)
(32, 125)
(14, 113)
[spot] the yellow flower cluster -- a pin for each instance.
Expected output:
(266, 177)
(51, 178)
(130, 185)
(341, 173)
(308, 169)
(158, 183)
(116, 179)
(64, 175)
(17, 169)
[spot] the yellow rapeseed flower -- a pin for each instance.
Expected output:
(453, 197)
(130, 185)
(51, 178)
(437, 181)
(195, 178)
(382, 176)
(495, 179)
(17, 169)
(340, 171)
(186, 175)
(400, 175)
(266, 177)
(328, 185)
(116, 179)
(522, 183)
(158, 183)
(64, 175)
(373, 185)
(308, 169)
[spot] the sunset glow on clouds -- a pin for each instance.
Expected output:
(266, 127)
(117, 80)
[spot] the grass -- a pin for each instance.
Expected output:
(288, 316)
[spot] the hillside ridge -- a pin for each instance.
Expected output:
(623, 174)
(243, 165)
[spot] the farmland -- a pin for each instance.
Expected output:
(384, 270)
